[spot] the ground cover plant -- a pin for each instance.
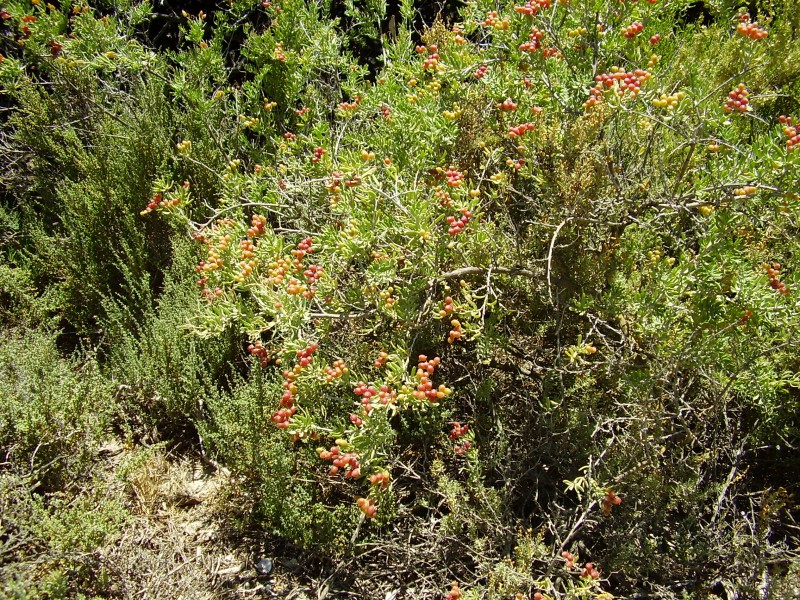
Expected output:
(497, 301)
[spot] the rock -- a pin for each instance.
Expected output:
(264, 567)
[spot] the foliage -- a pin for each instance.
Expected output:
(54, 415)
(527, 282)
(54, 412)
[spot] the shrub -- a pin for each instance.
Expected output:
(55, 412)
(534, 274)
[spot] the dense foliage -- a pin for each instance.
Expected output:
(506, 298)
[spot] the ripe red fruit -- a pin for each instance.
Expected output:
(367, 507)
(481, 71)
(737, 100)
(632, 30)
(508, 105)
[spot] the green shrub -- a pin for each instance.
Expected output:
(51, 545)
(55, 412)
(164, 375)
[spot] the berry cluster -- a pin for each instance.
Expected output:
(214, 260)
(534, 41)
(463, 448)
(590, 571)
(303, 248)
(386, 395)
(347, 461)
(443, 196)
(774, 273)
(454, 593)
(333, 185)
(632, 30)
(480, 72)
(457, 432)
(623, 81)
(457, 225)
(432, 60)
(381, 360)
(249, 121)
(531, 8)
(289, 136)
(792, 132)
(520, 130)
(425, 389)
(552, 52)
(454, 177)
(386, 112)
(248, 262)
(655, 39)
(456, 332)
(367, 392)
(306, 354)
(278, 53)
(318, 154)
(155, 202)
(750, 29)
(507, 105)
(458, 35)
(354, 181)
(269, 105)
(313, 274)
(295, 288)
(669, 101)
(447, 307)
(515, 164)
(611, 499)
(453, 115)
(747, 190)
(185, 146)
(258, 350)
(337, 370)
(493, 20)
(577, 32)
(367, 507)
(277, 270)
(209, 294)
(737, 100)
(350, 106)
(247, 248)
(258, 226)
(288, 409)
(381, 478)
(388, 297)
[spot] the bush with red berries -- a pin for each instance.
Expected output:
(572, 228)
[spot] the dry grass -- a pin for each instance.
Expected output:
(184, 541)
